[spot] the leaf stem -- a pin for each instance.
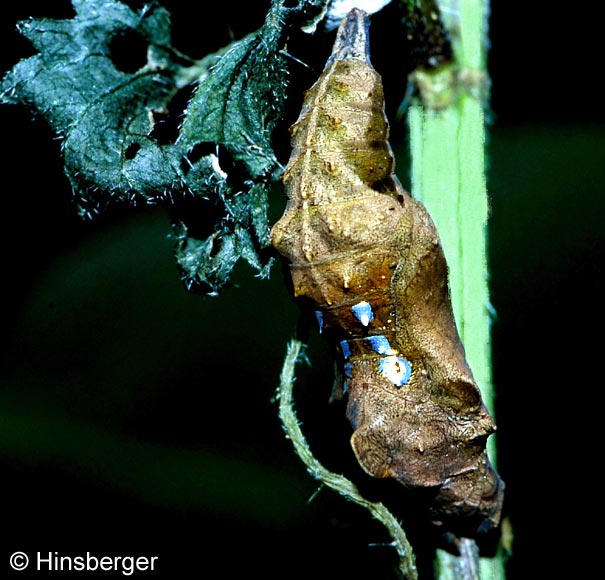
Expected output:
(448, 175)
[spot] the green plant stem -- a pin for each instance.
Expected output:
(448, 176)
(335, 481)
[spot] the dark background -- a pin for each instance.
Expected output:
(136, 418)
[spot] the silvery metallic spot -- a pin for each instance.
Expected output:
(363, 312)
(396, 369)
(380, 344)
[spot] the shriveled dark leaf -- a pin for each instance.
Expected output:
(213, 258)
(237, 108)
(106, 116)
(101, 112)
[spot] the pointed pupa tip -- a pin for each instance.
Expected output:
(352, 39)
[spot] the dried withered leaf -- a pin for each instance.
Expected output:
(370, 259)
(111, 86)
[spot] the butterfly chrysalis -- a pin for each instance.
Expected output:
(369, 258)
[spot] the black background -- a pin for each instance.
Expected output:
(136, 418)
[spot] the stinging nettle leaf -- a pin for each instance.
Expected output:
(240, 103)
(106, 116)
(237, 107)
(101, 112)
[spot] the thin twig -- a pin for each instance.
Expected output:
(337, 482)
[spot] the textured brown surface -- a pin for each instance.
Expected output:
(358, 245)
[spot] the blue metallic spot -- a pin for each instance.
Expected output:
(397, 369)
(363, 312)
(320, 319)
(346, 349)
(348, 368)
(380, 344)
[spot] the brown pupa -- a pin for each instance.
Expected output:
(368, 256)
